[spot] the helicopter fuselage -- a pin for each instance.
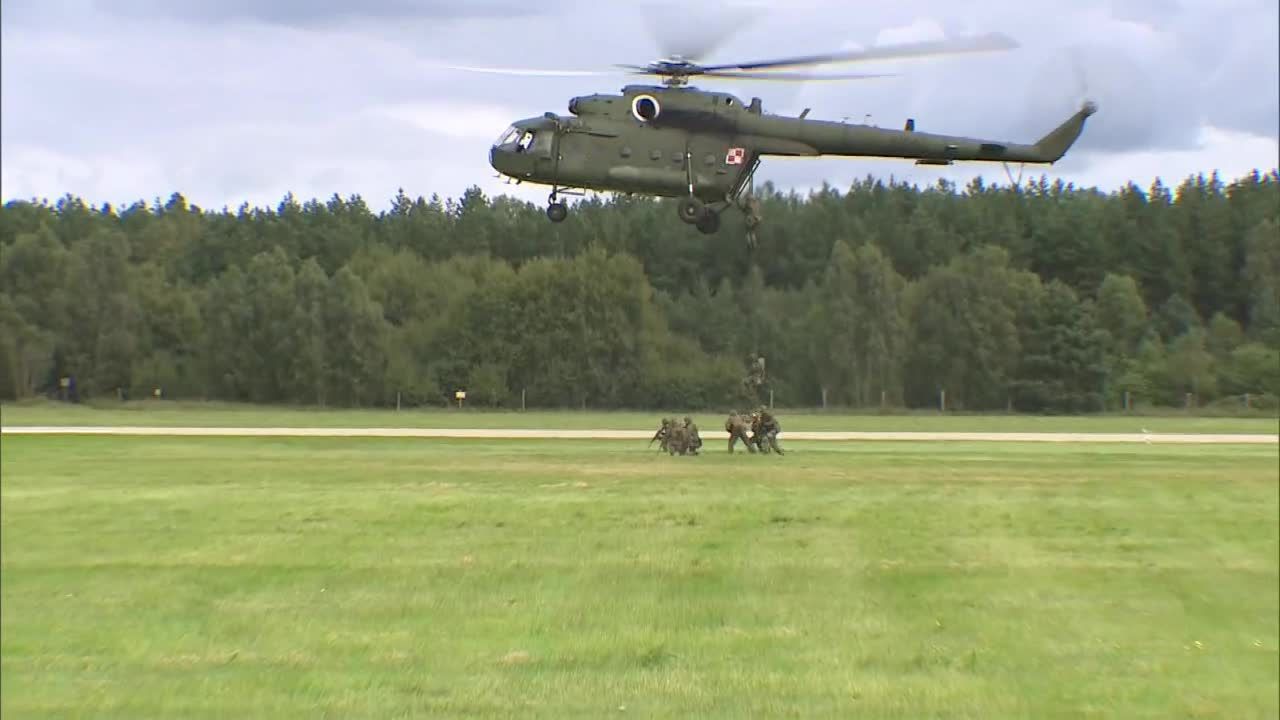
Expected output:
(647, 140)
(686, 142)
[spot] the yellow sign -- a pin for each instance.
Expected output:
(461, 394)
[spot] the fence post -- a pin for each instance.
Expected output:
(1246, 401)
(1127, 406)
(942, 401)
(397, 401)
(1188, 401)
(522, 391)
(824, 398)
(883, 399)
(770, 398)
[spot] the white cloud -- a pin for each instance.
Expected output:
(1233, 154)
(922, 30)
(28, 172)
(116, 104)
(451, 119)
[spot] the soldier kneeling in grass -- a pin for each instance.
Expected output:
(683, 438)
(693, 439)
(675, 437)
(663, 436)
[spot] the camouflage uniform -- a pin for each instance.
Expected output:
(737, 425)
(682, 438)
(756, 377)
(678, 441)
(757, 435)
(663, 436)
(765, 428)
(693, 439)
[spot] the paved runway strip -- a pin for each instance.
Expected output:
(513, 434)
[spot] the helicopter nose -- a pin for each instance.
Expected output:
(500, 159)
(497, 158)
(508, 162)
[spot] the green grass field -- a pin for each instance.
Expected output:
(167, 414)
(370, 578)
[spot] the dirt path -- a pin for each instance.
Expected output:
(510, 434)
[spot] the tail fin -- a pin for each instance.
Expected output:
(1053, 146)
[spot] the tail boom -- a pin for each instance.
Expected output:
(798, 137)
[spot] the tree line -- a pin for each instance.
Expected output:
(1038, 297)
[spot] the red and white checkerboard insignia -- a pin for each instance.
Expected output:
(735, 156)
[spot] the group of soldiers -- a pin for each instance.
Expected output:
(764, 429)
(758, 431)
(675, 437)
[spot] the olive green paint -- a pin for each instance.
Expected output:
(690, 143)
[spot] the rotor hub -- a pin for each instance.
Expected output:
(674, 70)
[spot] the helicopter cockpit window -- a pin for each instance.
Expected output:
(509, 136)
(526, 140)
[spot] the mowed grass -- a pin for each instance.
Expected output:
(188, 414)
(371, 578)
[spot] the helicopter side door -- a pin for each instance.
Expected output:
(717, 163)
(719, 160)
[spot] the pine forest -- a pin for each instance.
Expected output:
(1039, 298)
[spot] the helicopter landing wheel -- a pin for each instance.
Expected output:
(557, 212)
(709, 223)
(691, 210)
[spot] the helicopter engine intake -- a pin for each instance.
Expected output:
(646, 108)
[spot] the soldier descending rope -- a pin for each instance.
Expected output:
(756, 376)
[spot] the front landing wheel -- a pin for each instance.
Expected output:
(690, 210)
(557, 212)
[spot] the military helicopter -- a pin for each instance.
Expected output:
(704, 147)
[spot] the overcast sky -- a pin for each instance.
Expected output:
(231, 101)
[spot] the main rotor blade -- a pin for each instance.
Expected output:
(980, 43)
(793, 77)
(695, 71)
(681, 29)
(523, 71)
